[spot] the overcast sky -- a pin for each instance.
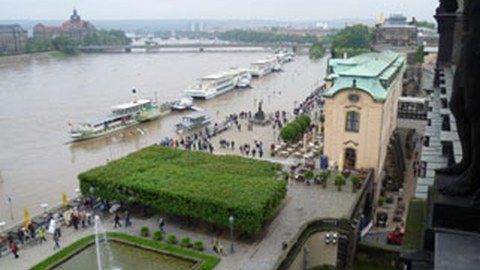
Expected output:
(298, 10)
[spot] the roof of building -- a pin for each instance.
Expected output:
(75, 22)
(374, 73)
(10, 28)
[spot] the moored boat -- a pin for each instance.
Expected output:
(212, 86)
(192, 121)
(185, 103)
(122, 116)
(241, 77)
(262, 67)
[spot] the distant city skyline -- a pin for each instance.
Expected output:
(284, 10)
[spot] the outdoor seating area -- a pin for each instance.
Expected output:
(308, 148)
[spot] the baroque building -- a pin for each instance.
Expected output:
(75, 29)
(361, 103)
(13, 38)
(396, 31)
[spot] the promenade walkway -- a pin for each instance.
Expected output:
(303, 203)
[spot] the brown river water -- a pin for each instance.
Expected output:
(39, 95)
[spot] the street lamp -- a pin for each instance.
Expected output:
(44, 206)
(2, 224)
(77, 191)
(231, 219)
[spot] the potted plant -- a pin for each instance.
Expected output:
(198, 245)
(186, 242)
(355, 179)
(144, 231)
(309, 176)
(324, 177)
(172, 239)
(381, 201)
(158, 236)
(339, 181)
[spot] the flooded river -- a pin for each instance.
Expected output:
(39, 95)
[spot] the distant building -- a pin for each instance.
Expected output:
(361, 108)
(396, 31)
(75, 29)
(13, 38)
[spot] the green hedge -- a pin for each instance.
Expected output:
(295, 128)
(192, 184)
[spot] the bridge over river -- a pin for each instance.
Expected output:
(193, 46)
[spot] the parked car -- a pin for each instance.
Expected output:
(382, 218)
(395, 237)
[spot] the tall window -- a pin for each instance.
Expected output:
(353, 121)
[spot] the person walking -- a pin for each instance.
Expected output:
(14, 249)
(41, 235)
(117, 221)
(21, 235)
(56, 238)
(161, 223)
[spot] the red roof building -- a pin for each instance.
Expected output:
(75, 28)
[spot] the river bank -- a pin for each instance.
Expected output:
(43, 95)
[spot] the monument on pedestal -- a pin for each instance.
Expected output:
(260, 118)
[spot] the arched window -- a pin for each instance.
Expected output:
(353, 121)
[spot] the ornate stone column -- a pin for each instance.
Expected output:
(446, 17)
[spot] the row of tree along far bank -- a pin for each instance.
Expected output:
(69, 46)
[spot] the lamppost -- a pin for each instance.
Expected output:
(231, 219)
(77, 192)
(44, 206)
(2, 224)
(9, 201)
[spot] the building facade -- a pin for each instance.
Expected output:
(361, 108)
(396, 31)
(13, 39)
(75, 29)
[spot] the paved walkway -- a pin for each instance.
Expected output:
(303, 203)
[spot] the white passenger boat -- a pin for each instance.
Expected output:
(185, 103)
(241, 77)
(211, 86)
(122, 116)
(262, 67)
(284, 56)
(192, 121)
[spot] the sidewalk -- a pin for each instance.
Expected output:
(303, 203)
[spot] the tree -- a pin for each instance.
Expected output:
(426, 24)
(264, 37)
(354, 39)
(420, 54)
(339, 181)
(41, 45)
(355, 179)
(309, 175)
(316, 51)
(104, 37)
(65, 45)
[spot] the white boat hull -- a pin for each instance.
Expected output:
(210, 93)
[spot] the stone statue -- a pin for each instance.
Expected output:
(260, 105)
(447, 6)
(464, 101)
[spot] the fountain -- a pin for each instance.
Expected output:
(103, 250)
(116, 254)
